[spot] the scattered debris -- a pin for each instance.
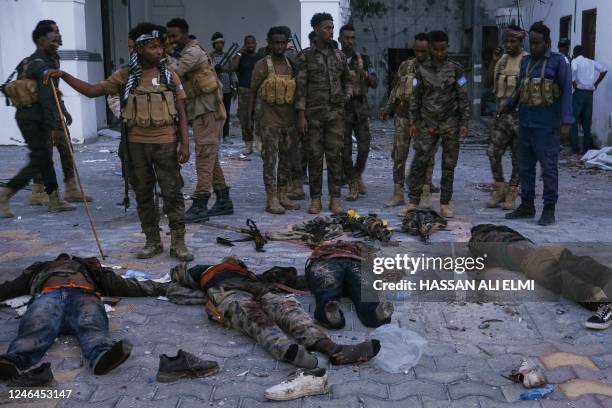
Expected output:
(138, 275)
(537, 393)
(483, 350)
(162, 298)
(455, 328)
(601, 159)
(530, 374)
(108, 308)
(242, 374)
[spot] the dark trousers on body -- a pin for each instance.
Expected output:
(41, 159)
(539, 145)
(582, 106)
(69, 311)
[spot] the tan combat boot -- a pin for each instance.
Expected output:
(248, 148)
(511, 196)
(296, 191)
(361, 186)
(402, 213)
(424, 201)
(39, 197)
(499, 194)
(57, 204)
(178, 249)
(315, 205)
(72, 193)
(285, 201)
(446, 211)
(153, 245)
(335, 205)
(398, 196)
(272, 204)
(5, 195)
(353, 194)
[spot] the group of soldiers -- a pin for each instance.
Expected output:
(306, 109)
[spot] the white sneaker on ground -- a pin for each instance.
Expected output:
(300, 384)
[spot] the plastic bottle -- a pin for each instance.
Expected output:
(537, 393)
(131, 273)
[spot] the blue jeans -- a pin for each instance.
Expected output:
(334, 278)
(69, 311)
(582, 106)
(539, 145)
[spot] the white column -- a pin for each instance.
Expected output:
(311, 7)
(70, 16)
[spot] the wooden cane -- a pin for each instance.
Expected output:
(76, 171)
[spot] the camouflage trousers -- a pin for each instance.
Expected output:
(325, 138)
(279, 156)
(206, 132)
(65, 158)
(269, 319)
(504, 135)
(152, 163)
(425, 148)
(401, 147)
(244, 104)
(357, 122)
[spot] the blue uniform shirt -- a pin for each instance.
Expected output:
(558, 113)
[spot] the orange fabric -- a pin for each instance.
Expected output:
(69, 285)
(221, 268)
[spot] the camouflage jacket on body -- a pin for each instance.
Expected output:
(395, 104)
(440, 94)
(323, 80)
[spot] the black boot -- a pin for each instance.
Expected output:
(199, 209)
(548, 215)
(525, 210)
(223, 204)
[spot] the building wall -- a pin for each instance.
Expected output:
(550, 12)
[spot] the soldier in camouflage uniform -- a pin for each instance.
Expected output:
(323, 87)
(439, 110)
(502, 75)
(398, 104)
(357, 113)
(273, 87)
(251, 303)
(153, 103)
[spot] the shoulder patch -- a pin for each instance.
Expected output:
(462, 81)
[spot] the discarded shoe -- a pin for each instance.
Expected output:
(300, 384)
(602, 319)
(530, 374)
(8, 369)
(300, 357)
(334, 315)
(357, 353)
(40, 376)
(113, 358)
(184, 365)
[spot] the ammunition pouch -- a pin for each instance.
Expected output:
(146, 108)
(360, 87)
(538, 92)
(201, 81)
(22, 92)
(277, 89)
(505, 85)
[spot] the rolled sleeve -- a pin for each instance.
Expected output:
(301, 81)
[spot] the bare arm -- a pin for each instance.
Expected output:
(82, 87)
(183, 131)
(602, 75)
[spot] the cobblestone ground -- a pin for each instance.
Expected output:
(461, 365)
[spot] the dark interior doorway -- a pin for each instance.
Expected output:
(396, 57)
(589, 20)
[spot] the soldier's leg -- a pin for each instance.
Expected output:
(333, 141)
(450, 154)
(244, 96)
(227, 104)
(65, 158)
(401, 147)
(350, 121)
(324, 280)
(527, 163)
(513, 143)
(270, 138)
(315, 149)
(546, 144)
(206, 135)
(364, 139)
(245, 314)
(424, 150)
(287, 167)
(498, 141)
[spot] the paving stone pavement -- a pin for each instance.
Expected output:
(459, 368)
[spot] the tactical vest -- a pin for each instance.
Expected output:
(277, 89)
(202, 80)
(150, 106)
(22, 92)
(538, 92)
(360, 86)
(405, 84)
(507, 78)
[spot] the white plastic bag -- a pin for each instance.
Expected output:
(400, 349)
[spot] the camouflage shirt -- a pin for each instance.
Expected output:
(394, 104)
(440, 94)
(323, 79)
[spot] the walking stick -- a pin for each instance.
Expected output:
(76, 171)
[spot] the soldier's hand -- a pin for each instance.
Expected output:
(52, 73)
(412, 131)
(183, 153)
(564, 133)
(68, 117)
(463, 131)
(497, 54)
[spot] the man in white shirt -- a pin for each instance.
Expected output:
(586, 76)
